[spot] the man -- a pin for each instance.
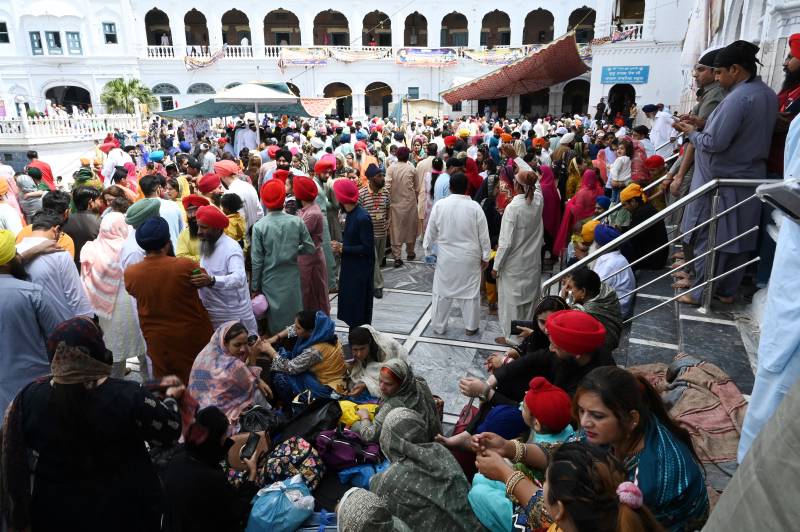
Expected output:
(423, 167)
(174, 322)
(84, 224)
(788, 106)
(357, 250)
(276, 241)
(191, 174)
(401, 180)
(362, 161)
(43, 167)
(115, 156)
(136, 215)
(222, 282)
(375, 199)
(153, 187)
(735, 146)
(228, 172)
(458, 227)
(188, 240)
(210, 187)
(56, 201)
(55, 272)
(661, 133)
(207, 159)
(28, 319)
(283, 161)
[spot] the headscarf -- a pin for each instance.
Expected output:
(8, 249)
(221, 379)
(424, 485)
(226, 168)
(414, 394)
(101, 271)
(587, 231)
(345, 191)
(527, 180)
(212, 217)
(474, 179)
(141, 211)
(551, 212)
(580, 207)
(604, 201)
(304, 188)
(273, 193)
(3, 187)
(324, 331)
(363, 511)
(204, 436)
(79, 332)
(193, 200)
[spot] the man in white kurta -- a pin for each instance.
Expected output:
(517, 264)
(614, 270)
(458, 227)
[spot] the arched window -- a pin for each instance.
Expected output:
(200, 88)
(165, 88)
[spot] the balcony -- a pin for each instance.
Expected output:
(629, 32)
(49, 130)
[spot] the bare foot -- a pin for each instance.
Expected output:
(689, 300)
(680, 274)
(678, 263)
(459, 441)
(677, 255)
(728, 300)
(682, 283)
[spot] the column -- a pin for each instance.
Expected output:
(214, 26)
(307, 30)
(517, 27)
(649, 21)
(602, 23)
(354, 27)
(474, 39)
(512, 106)
(359, 112)
(560, 23)
(556, 100)
(257, 33)
(398, 31)
(178, 30)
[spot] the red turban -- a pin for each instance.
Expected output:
(193, 200)
(212, 217)
(450, 141)
(273, 150)
(498, 130)
(209, 183)
(304, 188)
(653, 162)
(619, 122)
(345, 191)
(323, 166)
(549, 404)
(273, 193)
(360, 145)
(794, 45)
(107, 147)
(281, 175)
(222, 141)
(575, 332)
(226, 168)
(539, 142)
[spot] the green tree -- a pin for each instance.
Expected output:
(118, 95)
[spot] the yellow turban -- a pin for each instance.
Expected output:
(632, 191)
(463, 133)
(8, 246)
(3, 186)
(85, 161)
(587, 231)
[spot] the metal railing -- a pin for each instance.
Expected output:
(712, 247)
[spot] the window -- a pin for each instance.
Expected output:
(283, 38)
(53, 42)
(413, 93)
(110, 32)
(456, 107)
(167, 104)
(74, 43)
(36, 43)
(4, 33)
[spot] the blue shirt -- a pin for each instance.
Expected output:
(441, 189)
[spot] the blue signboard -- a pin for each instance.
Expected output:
(635, 75)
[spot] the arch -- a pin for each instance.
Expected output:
(416, 30)
(496, 29)
(576, 97)
(69, 95)
(165, 88)
(538, 27)
(200, 88)
(535, 104)
(377, 97)
(331, 28)
(620, 98)
(281, 28)
(236, 28)
(455, 30)
(156, 25)
(377, 29)
(582, 21)
(232, 85)
(196, 28)
(344, 98)
(293, 88)
(629, 12)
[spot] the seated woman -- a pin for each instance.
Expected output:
(634, 200)
(315, 363)
(423, 486)
(89, 432)
(400, 389)
(222, 377)
(370, 349)
(363, 511)
(590, 295)
(623, 413)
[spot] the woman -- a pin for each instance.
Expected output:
(561, 159)
(423, 486)
(89, 432)
(10, 217)
(253, 166)
(363, 511)
(437, 170)
(30, 197)
(551, 212)
(222, 377)
(313, 268)
(505, 185)
(102, 276)
(584, 491)
(370, 349)
(400, 389)
(623, 413)
(315, 363)
(577, 209)
(121, 178)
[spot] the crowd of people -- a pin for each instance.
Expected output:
(207, 260)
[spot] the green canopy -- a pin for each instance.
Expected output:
(257, 97)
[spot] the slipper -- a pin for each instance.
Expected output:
(689, 300)
(726, 300)
(501, 340)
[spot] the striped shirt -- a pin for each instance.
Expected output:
(377, 205)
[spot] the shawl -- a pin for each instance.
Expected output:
(424, 485)
(413, 394)
(363, 511)
(7, 173)
(551, 212)
(474, 180)
(368, 371)
(26, 186)
(324, 331)
(605, 307)
(101, 271)
(74, 365)
(222, 380)
(580, 207)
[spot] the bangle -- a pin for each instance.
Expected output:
(511, 483)
(484, 395)
(520, 450)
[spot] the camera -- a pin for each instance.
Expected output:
(516, 324)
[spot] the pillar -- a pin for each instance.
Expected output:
(307, 30)
(560, 23)
(517, 27)
(556, 100)
(214, 26)
(474, 38)
(359, 112)
(178, 30)
(354, 28)
(649, 21)
(512, 106)
(398, 30)
(257, 33)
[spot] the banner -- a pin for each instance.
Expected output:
(426, 57)
(585, 51)
(351, 56)
(196, 63)
(296, 56)
(495, 56)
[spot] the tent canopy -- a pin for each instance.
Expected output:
(553, 63)
(256, 97)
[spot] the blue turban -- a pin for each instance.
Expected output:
(153, 234)
(185, 146)
(603, 234)
(345, 138)
(361, 135)
(603, 201)
(157, 156)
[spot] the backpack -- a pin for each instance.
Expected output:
(291, 457)
(342, 448)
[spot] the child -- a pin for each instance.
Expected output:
(620, 172)
(231, 203)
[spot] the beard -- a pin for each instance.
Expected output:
(17, 270)
(216, 199)
(208, 244)
(192, 222)
(790, 79)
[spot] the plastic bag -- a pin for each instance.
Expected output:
(281, 507)
(349, 409)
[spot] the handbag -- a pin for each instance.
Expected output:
(294, 456)
(260, 419)
(322, 414)
(465, 417)
(343, 448)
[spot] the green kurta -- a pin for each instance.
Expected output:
(277, 240)
(330, 260)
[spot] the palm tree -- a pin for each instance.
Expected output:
(118, 95)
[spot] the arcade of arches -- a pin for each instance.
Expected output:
(344, 98)
(377, 97)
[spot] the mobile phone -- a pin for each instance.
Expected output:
(196, 271)
(516, 324)
(250, 446)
